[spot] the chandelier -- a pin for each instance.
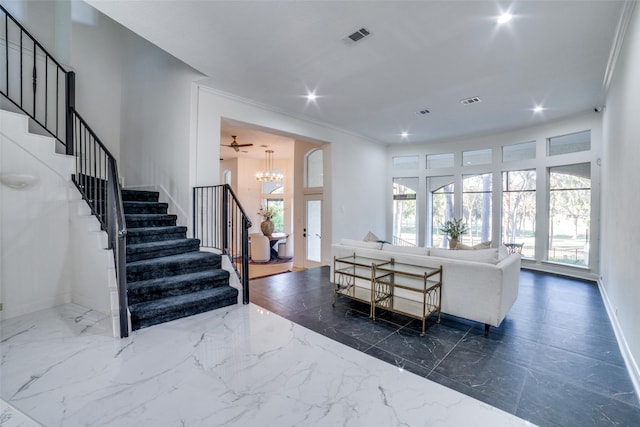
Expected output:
(269, 173)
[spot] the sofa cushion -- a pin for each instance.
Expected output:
(412, 250)
(479, 255)
(361, 244)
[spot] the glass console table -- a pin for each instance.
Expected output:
(353, 276)
(406, 289)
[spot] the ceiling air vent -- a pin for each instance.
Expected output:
(469, 101)
(423, 112)
(358, 35)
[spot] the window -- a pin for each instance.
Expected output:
(519, 209)
(569, 213)
(572, 143)
(476, 208)
(440, 205)
(437, 161)
(277, 206)
(405, 162)
(404, 211)
(272, 200)
(515, 152)
(313, 169)
(476, 157)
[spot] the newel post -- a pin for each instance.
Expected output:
(70, 105)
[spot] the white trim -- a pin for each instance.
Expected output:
(630, 362)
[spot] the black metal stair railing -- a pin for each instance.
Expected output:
(41, 88)
(220, 222)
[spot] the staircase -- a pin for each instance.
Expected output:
(168, 277)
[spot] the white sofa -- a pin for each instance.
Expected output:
(479, 285)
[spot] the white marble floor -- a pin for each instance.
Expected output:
(241, 366)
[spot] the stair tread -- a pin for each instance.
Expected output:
(164, 228)
(143, 203)
(164, 304)
(186, 257)
(149, 215)
(172, 280)
(138, 247)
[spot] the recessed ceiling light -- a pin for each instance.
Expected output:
(504, 18)
(312, 96)
(538, 109)
(404, 134)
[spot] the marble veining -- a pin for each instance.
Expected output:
(239, 366)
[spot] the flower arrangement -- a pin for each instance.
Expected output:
(454, 228)
(266, 214)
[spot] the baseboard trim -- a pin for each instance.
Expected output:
(630, 362)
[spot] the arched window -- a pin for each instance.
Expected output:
(440, 205)
(313, 168)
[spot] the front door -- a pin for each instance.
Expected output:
(313, 230)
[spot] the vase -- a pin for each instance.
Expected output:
(266, 227)
(453, 243)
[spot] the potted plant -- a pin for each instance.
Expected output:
(266, 226)
(454, 228)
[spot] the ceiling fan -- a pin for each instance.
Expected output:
(234, 144)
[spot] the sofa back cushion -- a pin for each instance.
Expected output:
(490, 256)
(411, 250)
(361, 244)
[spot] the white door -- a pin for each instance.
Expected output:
(312, 232)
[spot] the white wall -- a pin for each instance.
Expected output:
(156, 122)
(620, 175)
(96, 56)
(34, 221)
(52, 250)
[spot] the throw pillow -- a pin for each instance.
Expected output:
(370, 237)
(462, 246)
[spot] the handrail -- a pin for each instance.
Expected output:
(96, 175)
(218, 205)
(44, 105)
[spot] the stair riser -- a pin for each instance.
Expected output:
(143, 223)
(140, 196)
(161, 252)
(133, 239)
(179, 312)
(156, 208)
(137, 273)
(175, 289)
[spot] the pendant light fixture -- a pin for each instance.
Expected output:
(269, 173)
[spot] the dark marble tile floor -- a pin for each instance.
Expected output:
(554, 361)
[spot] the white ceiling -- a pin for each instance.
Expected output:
(421, 55)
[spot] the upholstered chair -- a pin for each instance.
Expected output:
(260, 248)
